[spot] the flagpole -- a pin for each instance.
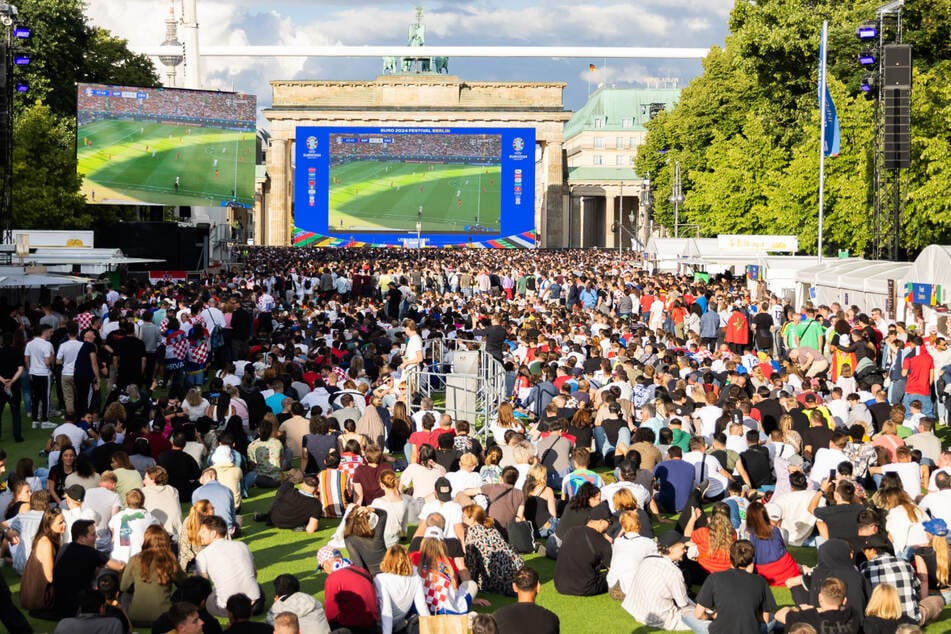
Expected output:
(822, 134)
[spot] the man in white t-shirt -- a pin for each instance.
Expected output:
(228, 563)
(707, 470)
(38, 356)
(443, 504)
(798, 522)
(66, 357)
(938, 503)
(104, 502)
(708, 415)
(128, 526)
(827, 459)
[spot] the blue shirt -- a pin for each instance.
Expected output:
(676, 482)
(220, 497)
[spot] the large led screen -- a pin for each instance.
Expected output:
(165, 146)
(374, 185)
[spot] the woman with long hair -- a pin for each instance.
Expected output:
(399, 591)
(489, 558)
(56, 480)
(903, 520)
(576, 513)
(491, 471)
(505, 420)
(152, 572)
(790, 436)
(540, 504)
(401, 426)
(36, 585)
(195, 405)
(395, 505)
(884, 613)
(419, 479)
(714, 540)
(189, 545)
(932, 560)
(581, 427)
(773, 561)
(363, 532)
(441, 587)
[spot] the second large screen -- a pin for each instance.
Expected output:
(374, 185)
(165, 146)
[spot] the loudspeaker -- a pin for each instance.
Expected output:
(897, 128)
(156, 213)
(185, 212)
(896, 64)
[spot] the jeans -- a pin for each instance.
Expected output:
(605, 448)
(927, 407)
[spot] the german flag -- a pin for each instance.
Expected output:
(592, 68)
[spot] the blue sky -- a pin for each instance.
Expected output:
(673, 23)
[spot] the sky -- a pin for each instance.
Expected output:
(667, 23)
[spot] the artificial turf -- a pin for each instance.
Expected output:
(279, 551)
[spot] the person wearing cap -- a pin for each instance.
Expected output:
(735, 600)
(444, 505)
(657, 596)
(585, 556)
(883, 567)
(73, 501)
(933, 559)
(349, 595)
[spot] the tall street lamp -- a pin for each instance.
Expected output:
(677, 198)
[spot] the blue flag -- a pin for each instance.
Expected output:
(831, 137)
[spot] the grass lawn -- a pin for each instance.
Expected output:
(279, 551)
(367, 196)
(138, 161)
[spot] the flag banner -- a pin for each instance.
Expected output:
(592, 67)
(831, 137)
(926, 294)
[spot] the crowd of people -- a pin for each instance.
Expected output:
(668, 442)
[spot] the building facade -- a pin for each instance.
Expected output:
(609, 202)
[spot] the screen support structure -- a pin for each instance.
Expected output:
(7, 14)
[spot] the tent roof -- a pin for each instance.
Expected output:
(932, 266)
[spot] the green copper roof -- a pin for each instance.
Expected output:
(620, 109)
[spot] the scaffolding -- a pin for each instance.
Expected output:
(463, 380)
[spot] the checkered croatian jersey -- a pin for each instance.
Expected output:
(176, 345)
(199, 352)
(438, 589)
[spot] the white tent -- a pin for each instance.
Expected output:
(671, 255)
(863, 283)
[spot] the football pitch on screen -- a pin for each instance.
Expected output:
(376, 196)
(139, 161)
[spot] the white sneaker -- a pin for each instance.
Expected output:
(48, 425)
(36, 424)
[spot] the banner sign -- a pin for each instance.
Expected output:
(745, 244)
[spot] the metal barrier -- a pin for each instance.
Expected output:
(471, 387)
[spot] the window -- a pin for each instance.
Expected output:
(599, 142)
(598, 159)
(620, 160)
(632, 143)
(627, 123)
(599, 122)
(619, 143)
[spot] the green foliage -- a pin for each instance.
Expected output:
(64, 50)
(746, 131)
(45, 183)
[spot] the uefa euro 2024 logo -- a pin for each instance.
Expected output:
(518, 144)
(311, 143)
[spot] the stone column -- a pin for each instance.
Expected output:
(274, 229)
(555, 222)
(609, 235)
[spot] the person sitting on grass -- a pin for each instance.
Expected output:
(294, 508)
(349, 596)
(239, 617)
(525, 615)
(399, 591)
(735, 600)
(832, 615)
(289, 599)
(585, 556)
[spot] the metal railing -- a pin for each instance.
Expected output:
(469, 386)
